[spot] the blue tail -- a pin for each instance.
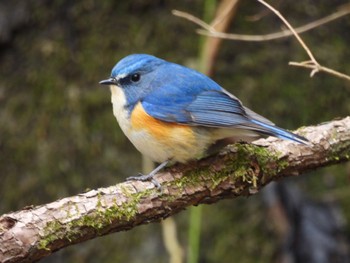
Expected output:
(280, 133)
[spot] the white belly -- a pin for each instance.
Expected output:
(143, 142)
(174, 148)
(119, 111)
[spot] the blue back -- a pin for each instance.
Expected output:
(177, 94)
(174, 93)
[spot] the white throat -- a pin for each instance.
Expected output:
(120, 112)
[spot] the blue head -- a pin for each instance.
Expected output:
(134, 74)
(139, 75)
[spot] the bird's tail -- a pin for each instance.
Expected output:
(279, 132)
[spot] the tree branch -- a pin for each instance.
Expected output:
(311, 64)
(208, 30)
(241, 169)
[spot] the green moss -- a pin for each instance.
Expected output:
(245, 164)
(251, 160)
(191, 178)
(98, 220)
(55, 227)
(340, 152)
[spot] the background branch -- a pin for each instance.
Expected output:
(311, 64)
(241, 169)
(210, 31)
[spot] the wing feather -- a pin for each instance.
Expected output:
(191, 98)
(212, 108)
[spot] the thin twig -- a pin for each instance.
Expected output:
(301, 42)
(276, 35)
(228, 6)
(210, 31)
(313, 64)
(309, 64)
(193, 19)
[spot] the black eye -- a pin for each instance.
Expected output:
(135, 77)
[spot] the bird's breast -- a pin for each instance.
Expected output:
(157, 139)
(161, 140)
(120, 111)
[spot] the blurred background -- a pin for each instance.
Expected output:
(58, 136)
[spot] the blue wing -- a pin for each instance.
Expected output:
(183, 95)
(186, 96)
(208, 108)
(192, 98)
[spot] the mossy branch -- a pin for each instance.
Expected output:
(241, 169)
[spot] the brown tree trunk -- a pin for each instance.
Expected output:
(241, 169)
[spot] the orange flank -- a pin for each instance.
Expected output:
(160, 130)
(165, 140)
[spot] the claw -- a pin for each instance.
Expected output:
(144, 178)
(149, 177)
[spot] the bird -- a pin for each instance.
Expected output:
(172, 113)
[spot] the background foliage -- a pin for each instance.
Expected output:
(58, 136)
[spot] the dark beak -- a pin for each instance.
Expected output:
(110, 81)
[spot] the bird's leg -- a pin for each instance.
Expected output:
(149, 177)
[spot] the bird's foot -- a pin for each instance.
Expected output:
(144, 178)
(149, 177)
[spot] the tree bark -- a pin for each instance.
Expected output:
(240, 169)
